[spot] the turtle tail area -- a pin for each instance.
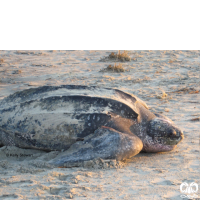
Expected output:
(105, 143)
(5, 138)
(14, 138)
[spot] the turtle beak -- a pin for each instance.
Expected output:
(181, 135)
(177, 133)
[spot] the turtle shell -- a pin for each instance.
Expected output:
(55, 117)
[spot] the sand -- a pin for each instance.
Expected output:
(168, 81)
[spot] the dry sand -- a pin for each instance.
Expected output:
(168, 81)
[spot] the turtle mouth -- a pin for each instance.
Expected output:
(174, 139)
(170, 140)
(161, 144)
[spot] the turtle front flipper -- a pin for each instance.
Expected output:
(105, 143)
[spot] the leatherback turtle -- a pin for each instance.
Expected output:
(84, 122)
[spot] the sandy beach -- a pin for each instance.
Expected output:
(169, 83)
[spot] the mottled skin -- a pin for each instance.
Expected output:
(86, 122)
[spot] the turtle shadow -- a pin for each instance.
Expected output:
(144, 155)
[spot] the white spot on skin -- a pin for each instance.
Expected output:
(94, 117)
(89, 124)
(88, 117)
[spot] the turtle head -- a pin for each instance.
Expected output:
(162, 135)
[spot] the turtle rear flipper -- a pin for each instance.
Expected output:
(6, 138)
(14, 138)
(105, 143)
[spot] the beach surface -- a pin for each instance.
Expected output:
(168, 81)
